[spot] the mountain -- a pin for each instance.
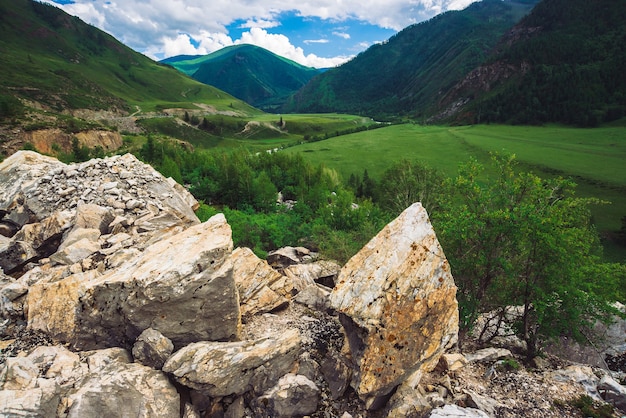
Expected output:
(563, 63)
(250, 73)
(408, 73)
(56, 62)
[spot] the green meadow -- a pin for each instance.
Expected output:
(594, 158)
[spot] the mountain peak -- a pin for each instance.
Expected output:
(248, 72)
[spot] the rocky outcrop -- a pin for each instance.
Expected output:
(397, 303)
(187, 298)
(43, 197)
(50, 141)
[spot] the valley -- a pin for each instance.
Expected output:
(461, 184)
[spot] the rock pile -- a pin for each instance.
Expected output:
(139, 308)
(115, 300)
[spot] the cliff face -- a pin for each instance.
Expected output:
(116, 301)
(51, 141)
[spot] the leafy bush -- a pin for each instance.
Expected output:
(593, 409)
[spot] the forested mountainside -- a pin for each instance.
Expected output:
(563, 63)
(408, 74)
(248, 72)
(57, 62)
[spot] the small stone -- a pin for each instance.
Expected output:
(109, 185)
(152, 348)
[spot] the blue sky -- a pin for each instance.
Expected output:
(316, 33)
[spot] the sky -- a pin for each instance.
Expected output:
(315, 33)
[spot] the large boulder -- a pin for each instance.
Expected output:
(260, 287)
(182, 287)
(397, 303)
(223, 369)
(35, 241)
(20, 176)
(117, 388)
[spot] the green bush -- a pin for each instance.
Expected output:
(592, 409)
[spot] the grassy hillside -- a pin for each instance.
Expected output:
(250, 73)
(61, 63)
(407, 74)
(259, 132)
(594, 158)
(563, 63)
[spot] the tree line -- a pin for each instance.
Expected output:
(512, 239)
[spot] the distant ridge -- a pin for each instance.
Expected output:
(563, 63)
(250, 73)
(407, 74)
(57, 62)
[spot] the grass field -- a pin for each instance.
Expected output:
(257, 132)
(594, 158)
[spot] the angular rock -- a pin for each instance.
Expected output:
(299, 277)
(294, 395)
(287, 256)
(408, 401)
(124, 389)
(336, 373)
(237, 409)
(483, 403)
(75, 252)
(40, 186)
(397, 303)
(92, 216)
(15, 255)
(79, 234)
(583, 375)
(152, 349)
(35, 241)
(181, 286)
(222, 369)
(59, 364)
(19, 174)
(487, 355)
(323, 272)
(450, 362)
(18, 373)
(612, 392)
(41, 402)
(455, 411)
(314, 296)
(254, 279)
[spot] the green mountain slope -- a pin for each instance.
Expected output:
(407, 74)
(250, 73)
(57, 62)
(563, 63)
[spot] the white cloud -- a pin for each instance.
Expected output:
(280, 45)
(343, 35)
(316, 41)
(160, 28)
(260, 23)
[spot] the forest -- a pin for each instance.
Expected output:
(512, 238)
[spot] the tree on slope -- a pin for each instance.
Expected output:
(518, 240)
